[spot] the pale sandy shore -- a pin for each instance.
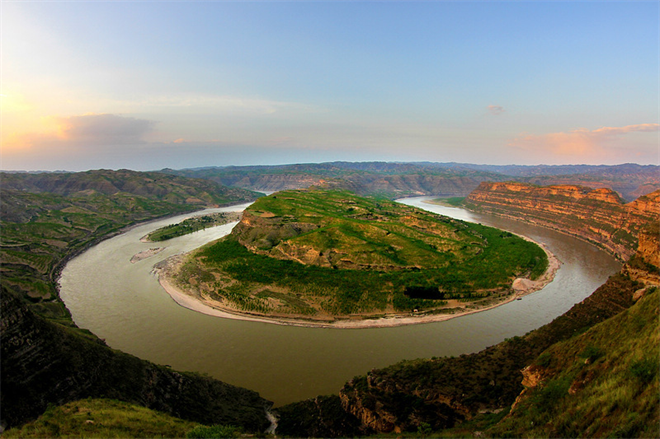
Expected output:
(146, 254)
(188, 300)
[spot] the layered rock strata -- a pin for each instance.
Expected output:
(597, 215)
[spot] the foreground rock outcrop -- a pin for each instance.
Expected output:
(597, 215)
(603, 383)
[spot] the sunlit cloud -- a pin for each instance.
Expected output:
(57, 136)
(604, 143)
(495, 110)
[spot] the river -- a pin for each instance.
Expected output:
(123, 303)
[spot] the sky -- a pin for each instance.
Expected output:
(154, 84)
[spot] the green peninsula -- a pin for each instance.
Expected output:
(191, 225)
(325, 255)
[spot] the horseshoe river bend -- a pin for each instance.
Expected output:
(123, 303)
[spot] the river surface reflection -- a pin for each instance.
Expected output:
(124, 304)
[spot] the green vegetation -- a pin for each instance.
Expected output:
(414, 392)
(602, 383)
(47, 218)
(192, 225)
(359, 255)
(451, 201)
(103, 418)
(108, 418)
(215, 431)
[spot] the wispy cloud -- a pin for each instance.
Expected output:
(215, 103)
(103, 128)
(582, 143)
(495, 110)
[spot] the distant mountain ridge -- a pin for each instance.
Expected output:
(425, 178)
(154, 185)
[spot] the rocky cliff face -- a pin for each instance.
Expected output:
(598, 215)
(649, 246)
(444, 392)
(44, 363)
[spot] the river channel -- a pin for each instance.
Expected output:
(123, 303)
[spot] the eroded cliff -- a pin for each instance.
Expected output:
(597, 215)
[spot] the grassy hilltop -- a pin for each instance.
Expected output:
(322, 254)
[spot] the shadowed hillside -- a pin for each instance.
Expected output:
(45, 363)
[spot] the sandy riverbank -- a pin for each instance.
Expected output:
(146, 254)
(187, 299)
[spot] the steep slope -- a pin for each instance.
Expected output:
(150, 185)
(45, 363)
(444, 392)
(603, 383)
(598, 215)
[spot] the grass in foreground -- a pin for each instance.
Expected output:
(603, 383)
(103, 418)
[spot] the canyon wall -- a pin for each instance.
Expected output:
(597, 215)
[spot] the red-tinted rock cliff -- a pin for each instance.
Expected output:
(597, 215)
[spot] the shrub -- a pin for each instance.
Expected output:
(591, 353)
(644, 369)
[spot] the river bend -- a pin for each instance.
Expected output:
(123, 303)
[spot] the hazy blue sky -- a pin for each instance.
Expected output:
(147, 85)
